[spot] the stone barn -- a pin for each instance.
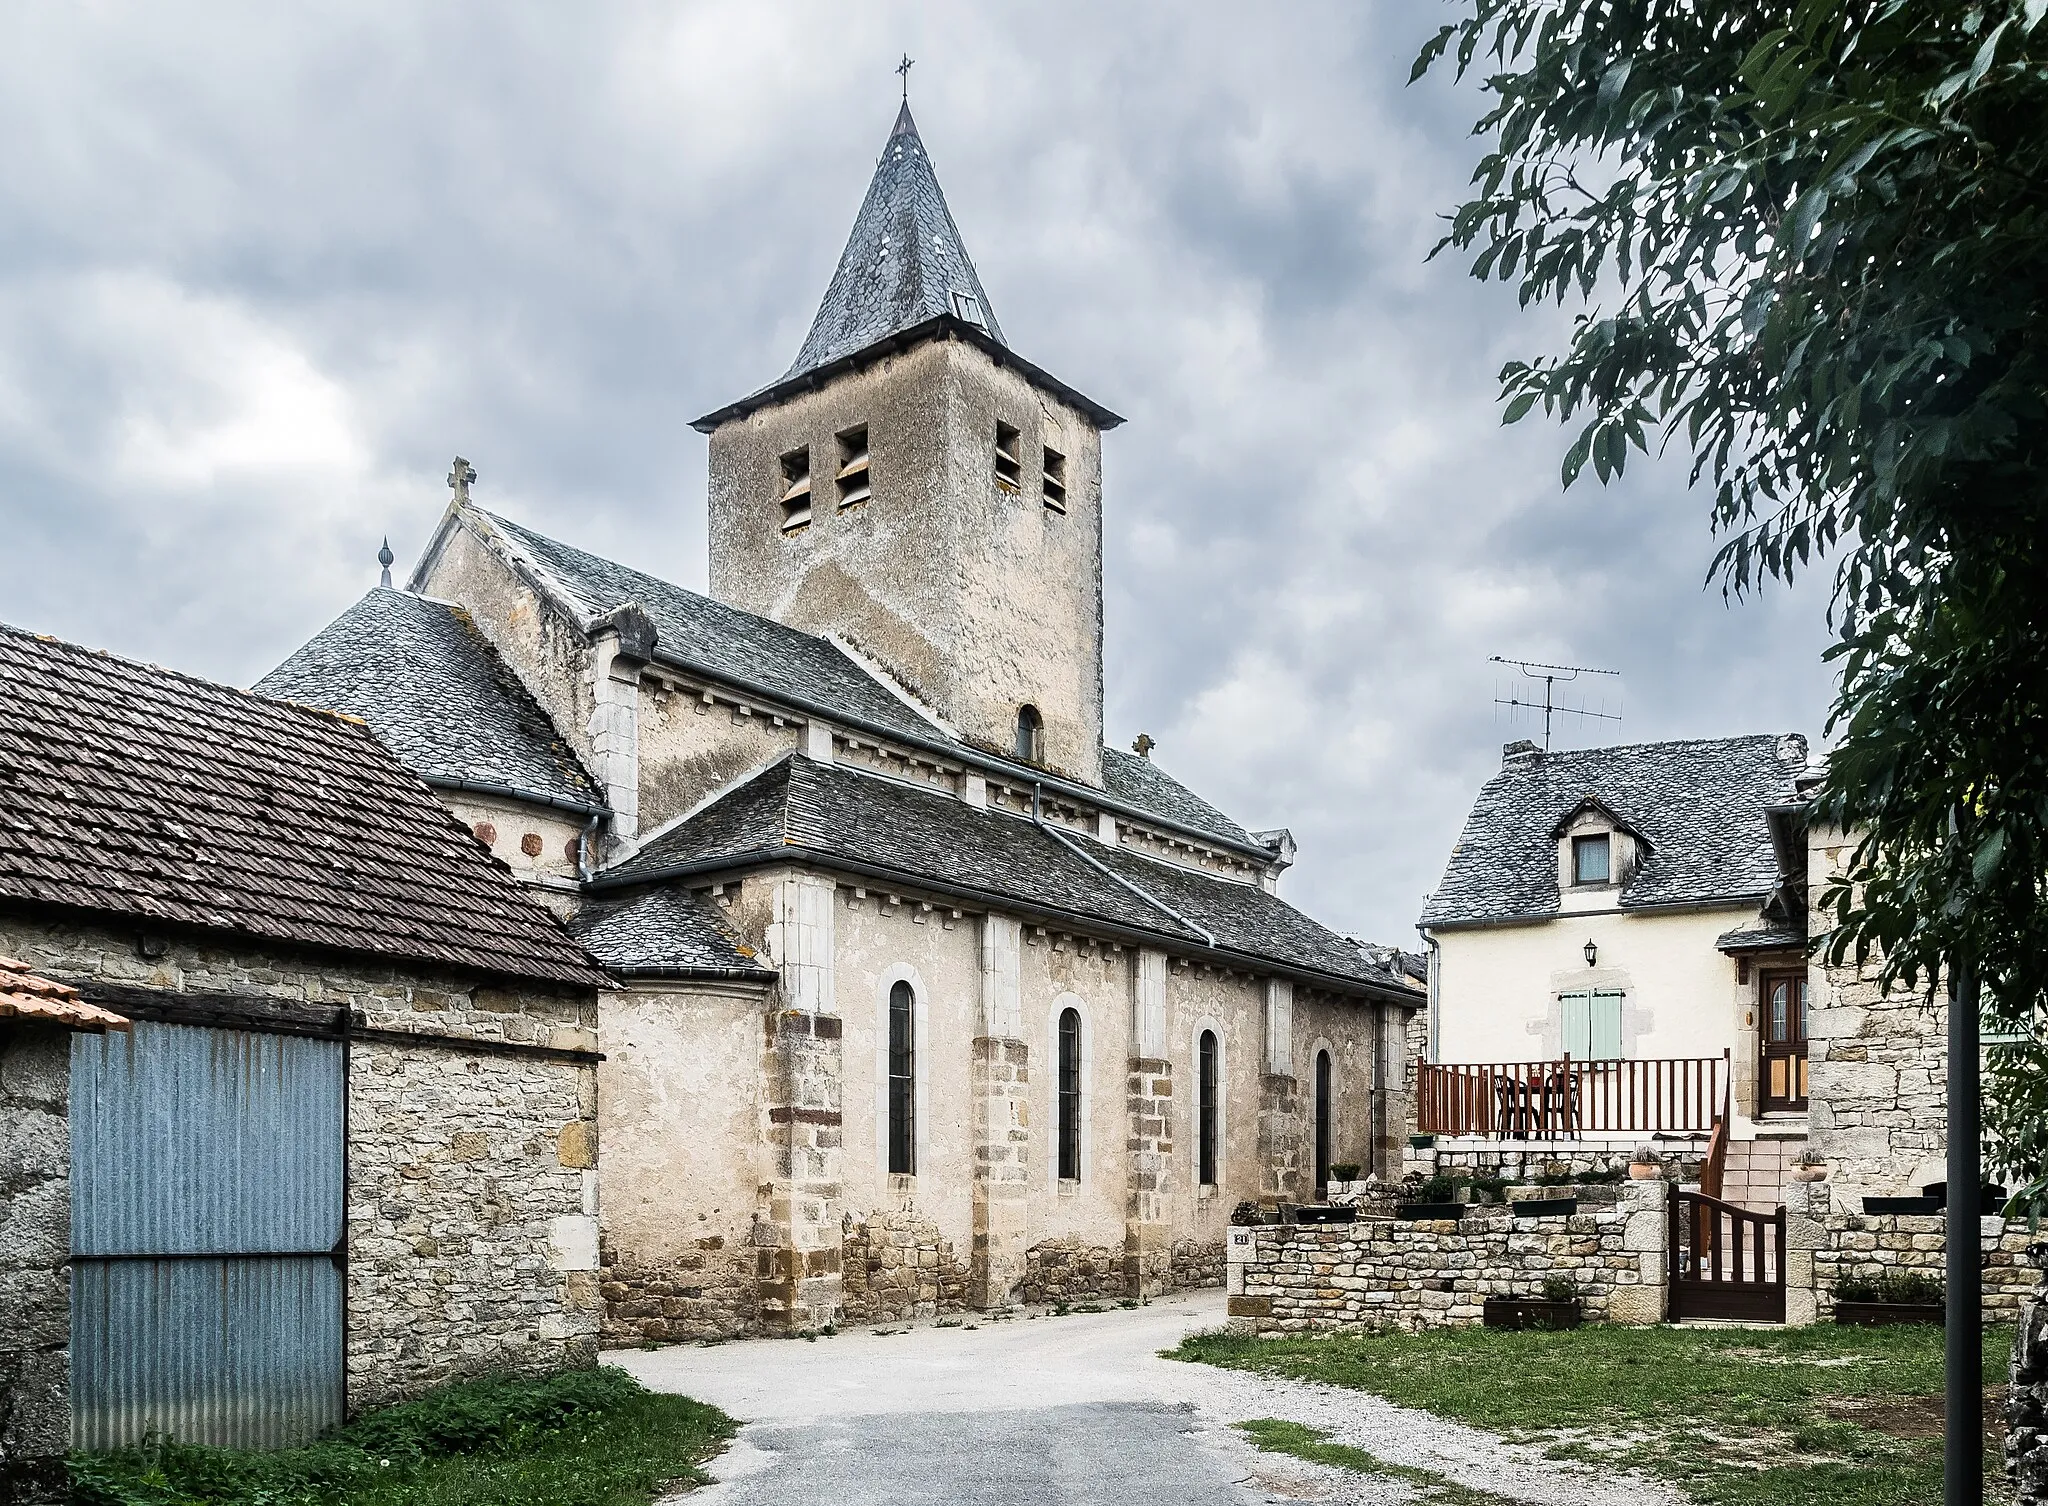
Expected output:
(343, 1144)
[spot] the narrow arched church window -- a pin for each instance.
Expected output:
(1069, 1088)
(1030, 735)
(1206, 1108)
(1322, 1122)
(902, 1080)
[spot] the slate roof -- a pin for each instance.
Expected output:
(695, 632)
(902, 263)
(1761, 939)
(432, 687)
(132, 791)
(1698, 804)
(1141, 782)
(797, 807)
(667, 932)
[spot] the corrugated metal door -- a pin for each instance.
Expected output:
(206, 1228)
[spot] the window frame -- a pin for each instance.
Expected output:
(1594, 999)
(1029, 742)
(921, 1070)
(853, 478)
(1070, 1058)
(901, 1107)
(796, 499)
(1584, 842)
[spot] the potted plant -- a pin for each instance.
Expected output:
(1558, 1307)
(1894, 1297)
(1645, 1165)
(1809, 1166)
(1434, 1197)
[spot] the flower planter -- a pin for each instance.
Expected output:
(1422, 1142)
(1879, 1205)
(1885, 1314)
(1430, 1210)
(1323, 1213)
(1530, 1312)
(1544, 1207)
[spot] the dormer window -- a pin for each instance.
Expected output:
(1592, 859)
(1030, 735)
(796, 489)
(1055, 480)
(853, 466)
(967, 308)
(1009, 470)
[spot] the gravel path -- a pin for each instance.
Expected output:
(1066, 1411)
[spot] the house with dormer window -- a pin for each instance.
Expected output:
(1618, 953)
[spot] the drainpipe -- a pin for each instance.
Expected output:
(584, 873)
(1038, 820)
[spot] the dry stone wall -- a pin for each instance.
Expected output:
(35, 1251)
(2026, 1435)
(710, 1292)
(1072, 1270)
(1381, 1273)
(895, 1266)
(1826, 1243)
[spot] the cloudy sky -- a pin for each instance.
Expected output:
(264, 269)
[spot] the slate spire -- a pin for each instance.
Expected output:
(903, 264)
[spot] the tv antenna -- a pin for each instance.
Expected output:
(1552, 675)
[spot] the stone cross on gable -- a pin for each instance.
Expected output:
(461, 477)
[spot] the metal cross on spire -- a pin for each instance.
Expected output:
(904, 68)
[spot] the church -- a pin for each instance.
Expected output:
(924, 999)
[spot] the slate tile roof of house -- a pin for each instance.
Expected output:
(667, 931)
(1698, 804)
(797, 807)
(433, 689)
(698, 633)
(24, 996)
(132, 791)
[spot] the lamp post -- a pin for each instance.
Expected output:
(1963, 1422)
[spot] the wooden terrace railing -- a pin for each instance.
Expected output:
(1561, 1098)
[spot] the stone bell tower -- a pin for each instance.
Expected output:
(917, 489)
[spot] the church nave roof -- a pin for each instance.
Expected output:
(798, 807)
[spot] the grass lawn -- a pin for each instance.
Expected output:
(580, 1438)
(1738, 1417)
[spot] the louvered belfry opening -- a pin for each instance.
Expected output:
(1207, 1107)
(1070, 1096)
(902, 1081)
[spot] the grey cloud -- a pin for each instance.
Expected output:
(262, 271)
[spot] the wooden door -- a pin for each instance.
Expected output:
(1781, 1029)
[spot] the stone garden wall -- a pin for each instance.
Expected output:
(1384, 1273)
(35, 1251)
(1071, 1270)
(1824, 1244)
(2026, 1436)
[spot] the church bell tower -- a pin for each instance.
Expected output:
(918, 490)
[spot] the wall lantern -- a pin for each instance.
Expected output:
(1592, 954)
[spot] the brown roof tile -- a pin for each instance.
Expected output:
(135, 791)
(24, 996)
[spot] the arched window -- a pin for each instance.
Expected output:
(1322, 1122)
(902, 1080)
(1030, 735)
(1205, 1109)
(1069, 1090)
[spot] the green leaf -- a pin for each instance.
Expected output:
(1990, 853)
(1520, 406)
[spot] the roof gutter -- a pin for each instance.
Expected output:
(1670, 907)
(763, 857)
(512, 792)
(1111, 874)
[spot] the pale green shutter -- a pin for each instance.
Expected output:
(1578, 1024)
(1605, 1026)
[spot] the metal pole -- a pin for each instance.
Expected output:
(1963, 1430)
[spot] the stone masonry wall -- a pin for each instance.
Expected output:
(1198, 1263)
(35, 1250)
(472, 1192)
(1071, 1270)
(710, 1292)
(1384, 1273)
(1824, 1245)
(2026, 1436)
(895, 1266)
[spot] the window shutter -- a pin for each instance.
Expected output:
(1606, 1026)
(1578, 1025)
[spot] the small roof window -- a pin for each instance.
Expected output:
(968, 308)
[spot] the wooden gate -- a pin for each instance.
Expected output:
(1726, 1262)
